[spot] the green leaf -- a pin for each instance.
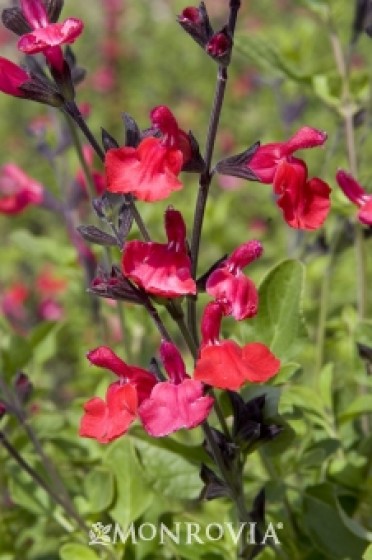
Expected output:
(133, 495)
(286, 373)
(72, 551)
(368, 553)
(361, 405)
(169, 473)
(99, 488)
(328, 530)
(28, 495)
(263, 53)
(279, 322)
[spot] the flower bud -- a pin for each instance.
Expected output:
(195, 22)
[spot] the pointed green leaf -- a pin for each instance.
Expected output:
(133, 495)
(279, 322)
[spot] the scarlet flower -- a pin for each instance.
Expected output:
(230, 287)
(47, 37)
(162, 269)
(151, 170)
(305, 202)
(177, 403)
(104, 357)
(12, 77)
(17, 190)
(357, 195)
(106, 420)
(266, 159)
(226, 365)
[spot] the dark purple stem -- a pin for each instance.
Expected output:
(206, 176)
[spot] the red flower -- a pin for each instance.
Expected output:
(151, 170)
(12, 77)
(104, 357)
(224, 364)
(17, 190)
(265, 161)
(109, 419)
(357, 195)
(177, 403)
(162, 269)
(305, 203)
(47, 37)
(229, 286)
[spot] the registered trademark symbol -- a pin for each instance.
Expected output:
(279, 525)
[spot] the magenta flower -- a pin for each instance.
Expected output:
(18, 190)
(162, 269)
(177, 403)
(47, 37)
(12, 77)
(357, 195)
(230, 287)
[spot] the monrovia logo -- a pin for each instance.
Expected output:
(183, 532)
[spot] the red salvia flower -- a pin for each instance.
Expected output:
(17, 190)
(151, 170)
(12, 77)
(177, 403)
(265, 161)
(47, 37)
(305, 202)
(104, 357)
(229, 286)
(226, 365)
(162, 269)
(108, 419)
(357, 195)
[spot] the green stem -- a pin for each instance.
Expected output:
(324, 301)
(37, 478)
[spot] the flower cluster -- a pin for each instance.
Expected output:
(163, 406)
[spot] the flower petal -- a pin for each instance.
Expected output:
(108, 420)
(221, 366)
(149, 171)
(172, 407)
(158, 269)
(261, 364)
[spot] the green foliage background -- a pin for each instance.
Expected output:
(317, 474)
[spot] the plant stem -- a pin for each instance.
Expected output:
(51, 470)
(72, 110)
(206, 176)
(37, 478)
(204, 184)
(324, 300)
